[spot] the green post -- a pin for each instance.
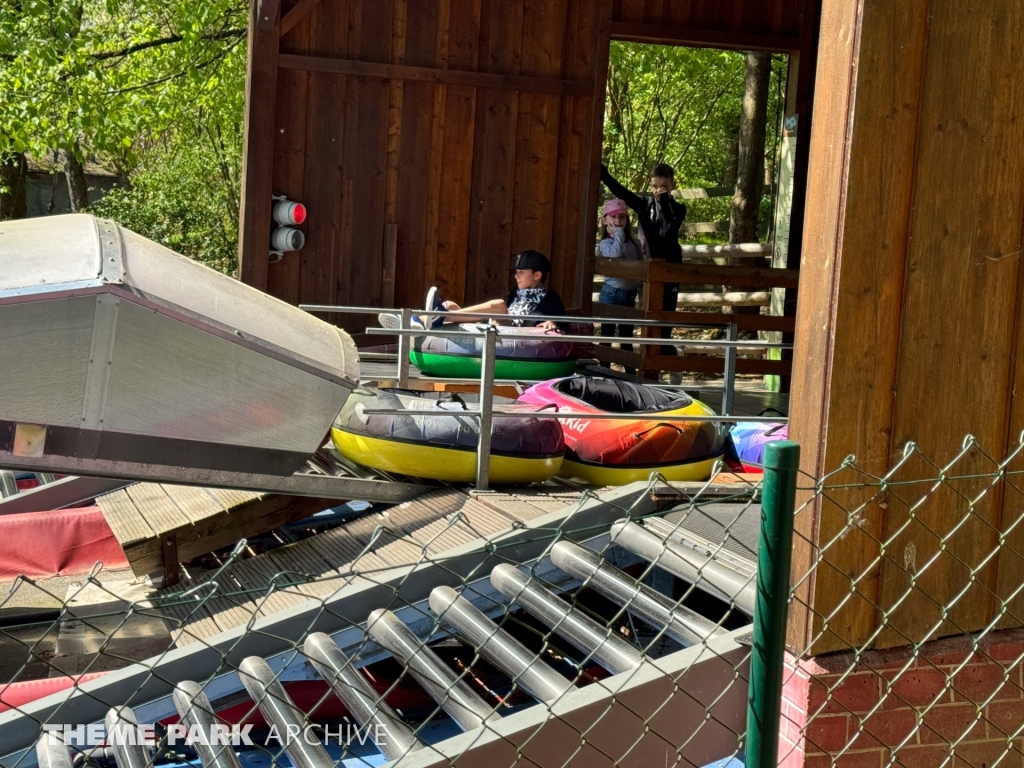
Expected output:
(778, 501)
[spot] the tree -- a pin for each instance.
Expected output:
(746, 199)
(681, 106)
(150, 88)
(13, 173)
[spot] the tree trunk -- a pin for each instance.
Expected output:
(74, 171)
(746, 200)
(750, 172)
(13, 177)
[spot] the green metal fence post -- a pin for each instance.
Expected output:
(781, 462)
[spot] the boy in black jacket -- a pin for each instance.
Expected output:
(661, 217)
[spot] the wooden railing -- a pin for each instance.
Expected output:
(742, 284)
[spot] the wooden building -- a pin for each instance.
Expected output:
(432, 139)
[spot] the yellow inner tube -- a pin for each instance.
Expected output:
(604, 474)
(440, 463)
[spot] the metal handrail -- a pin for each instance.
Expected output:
(492, 316)
(641, 340)
(580, 415)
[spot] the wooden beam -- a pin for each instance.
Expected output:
(662, 272)
(702, 193)
(206, 534)
(258, 147)
(436, 76)
(663, 34)
(266, 13)
(743, 322)
(170, 556)
(297, 14)
(687, 363)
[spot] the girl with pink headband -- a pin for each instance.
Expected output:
(617, 242)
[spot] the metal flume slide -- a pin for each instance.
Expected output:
(123, 359)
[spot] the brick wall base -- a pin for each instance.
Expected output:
(952, 702)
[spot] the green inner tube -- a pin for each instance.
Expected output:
(463, 366)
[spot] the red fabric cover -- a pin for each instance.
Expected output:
(19, 694)
(64, 542)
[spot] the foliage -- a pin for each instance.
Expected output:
(184, 194)
(153, 88)
(681, 106)
(99, 75)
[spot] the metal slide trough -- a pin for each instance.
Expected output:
(117, 354)
(465, 595)
(636, 676)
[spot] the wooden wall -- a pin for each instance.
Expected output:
(911, 303)
(432, 139)
(430, 142)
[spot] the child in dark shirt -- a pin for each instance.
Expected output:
(525, 305)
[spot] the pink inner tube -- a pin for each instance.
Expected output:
(639, 441)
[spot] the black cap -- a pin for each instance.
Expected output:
(534, 260)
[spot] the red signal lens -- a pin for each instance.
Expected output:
(299, 213)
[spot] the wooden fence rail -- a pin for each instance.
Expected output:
(753, 281)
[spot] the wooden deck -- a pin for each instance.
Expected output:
(408, 533)
(159, 526)
(316, 567)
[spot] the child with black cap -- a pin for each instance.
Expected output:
(530, 299)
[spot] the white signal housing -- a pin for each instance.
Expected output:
(289, 213)
(286, 239)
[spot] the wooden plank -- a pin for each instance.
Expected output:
(490, 234)
(300, 10)
(156, 507)
(221, 530)
(699, 37)
(660, 271)
(318, 273)
(435, 157)
(290, 156)
(455, 201)
(593, 44)
(744, 322)
(194, 503)
(688, 363)
(121, 514)
(970, 136)
(376, 70)
(258, 149)
(861, 181)
(395, 133)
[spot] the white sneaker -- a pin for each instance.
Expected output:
(394, 322)
(387, 320)
(428, 305)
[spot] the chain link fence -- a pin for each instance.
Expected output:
(615, 632)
